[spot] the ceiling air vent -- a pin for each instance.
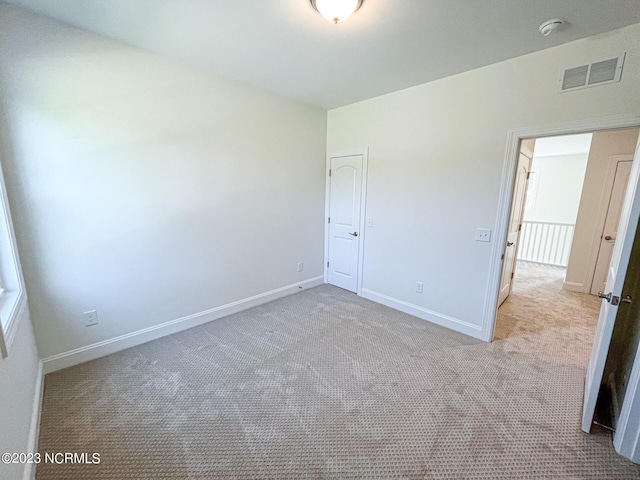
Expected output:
(596, 73)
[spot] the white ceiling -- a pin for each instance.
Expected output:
(286, 47)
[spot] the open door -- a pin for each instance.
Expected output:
(612, 296)
(623, 363)
(515, 221)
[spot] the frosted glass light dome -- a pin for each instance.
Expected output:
(336, 10)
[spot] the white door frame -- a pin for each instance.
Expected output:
(506, 193)
(363, 207)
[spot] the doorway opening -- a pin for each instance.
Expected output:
(566, 204)
(546, 201)
(584, 322)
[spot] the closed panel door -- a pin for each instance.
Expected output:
(344, 221)
(610, 231)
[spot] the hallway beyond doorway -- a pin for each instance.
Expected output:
(539, 305)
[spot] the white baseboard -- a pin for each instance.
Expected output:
(573, 286)
(107, 347)
(34, 430)
(461, 326)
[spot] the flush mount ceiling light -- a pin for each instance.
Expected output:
(336, 10)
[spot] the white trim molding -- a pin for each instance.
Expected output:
(34, 430)
(514, 137)
(107, 347)
(573, 286)
(455, 324)
(12, 307)
(13, 298)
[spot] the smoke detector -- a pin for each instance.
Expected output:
(550, 26)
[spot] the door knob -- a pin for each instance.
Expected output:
(626, 299)
(607, 297)
(609, 237)
(354, 234)
(509, 244)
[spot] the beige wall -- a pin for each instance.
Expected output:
(559, 186)
(436, 154)
(586, 240)
(146, 189)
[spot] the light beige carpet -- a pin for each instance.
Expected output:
(325, 384)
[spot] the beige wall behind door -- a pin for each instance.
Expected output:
(585, 240)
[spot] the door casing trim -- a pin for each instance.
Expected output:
(514, 136)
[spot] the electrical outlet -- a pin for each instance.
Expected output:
(300, 266)
(90, 318)
(419, 287)
(483, 235)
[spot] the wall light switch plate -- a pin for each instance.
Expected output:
(369, 222)
(90, 318)
(483, 235)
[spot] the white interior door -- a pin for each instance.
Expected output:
(515, 222)
(627, 226)
(610, 231)
(344, 221)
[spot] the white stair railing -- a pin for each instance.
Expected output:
(545, 242)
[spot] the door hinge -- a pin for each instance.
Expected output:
(519, 227)
(327, 264)
(528, 175)
(502, 257)
(511, 275)
(329, 172)
(329, 220)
